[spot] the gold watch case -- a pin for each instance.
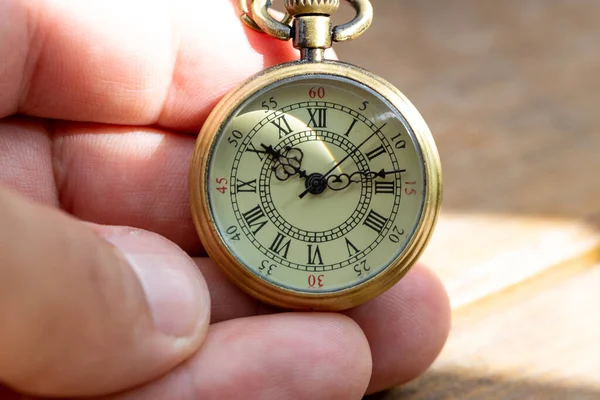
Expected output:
(250, 282)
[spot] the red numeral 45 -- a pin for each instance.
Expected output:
(223, 182)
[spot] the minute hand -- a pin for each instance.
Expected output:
(345, 158)
(381, 173)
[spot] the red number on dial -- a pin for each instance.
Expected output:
(315, 280)
(223, 182)
(316, 92)
(410, 191)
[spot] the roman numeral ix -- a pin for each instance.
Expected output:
(249, 187)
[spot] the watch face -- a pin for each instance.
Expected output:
(315, 183)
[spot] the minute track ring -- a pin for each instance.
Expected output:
(303, 235)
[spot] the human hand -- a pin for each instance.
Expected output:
(101, 102)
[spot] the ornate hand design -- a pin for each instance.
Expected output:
(342, 181)
(287, 163)
(321, 180)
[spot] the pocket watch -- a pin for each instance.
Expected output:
(315, 184)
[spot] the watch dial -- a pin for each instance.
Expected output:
(316, 183)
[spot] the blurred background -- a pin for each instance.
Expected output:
(511, 91)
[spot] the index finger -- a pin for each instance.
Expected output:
(132, 62)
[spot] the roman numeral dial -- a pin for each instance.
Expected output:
(362, 160)
(334, 225)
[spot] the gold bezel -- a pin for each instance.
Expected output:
(283, 297)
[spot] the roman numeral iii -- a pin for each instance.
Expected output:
(384, 187)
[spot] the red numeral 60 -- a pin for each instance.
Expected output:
(316, 92)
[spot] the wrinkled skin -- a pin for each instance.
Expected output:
(100, 103)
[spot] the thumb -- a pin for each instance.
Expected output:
(91, 310)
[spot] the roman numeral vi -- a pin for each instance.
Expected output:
(314, 255)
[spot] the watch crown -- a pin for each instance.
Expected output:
(323, 7)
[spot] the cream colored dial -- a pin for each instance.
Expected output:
(315, 183)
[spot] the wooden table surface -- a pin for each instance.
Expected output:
(511, 91)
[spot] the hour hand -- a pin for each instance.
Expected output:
(358, 176)
(381, 173)
(342, 181)
(287, 164)
(267, 150)
(270, 151)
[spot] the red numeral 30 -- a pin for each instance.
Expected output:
(315, 280)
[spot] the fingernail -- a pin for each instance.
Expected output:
(175, 291)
